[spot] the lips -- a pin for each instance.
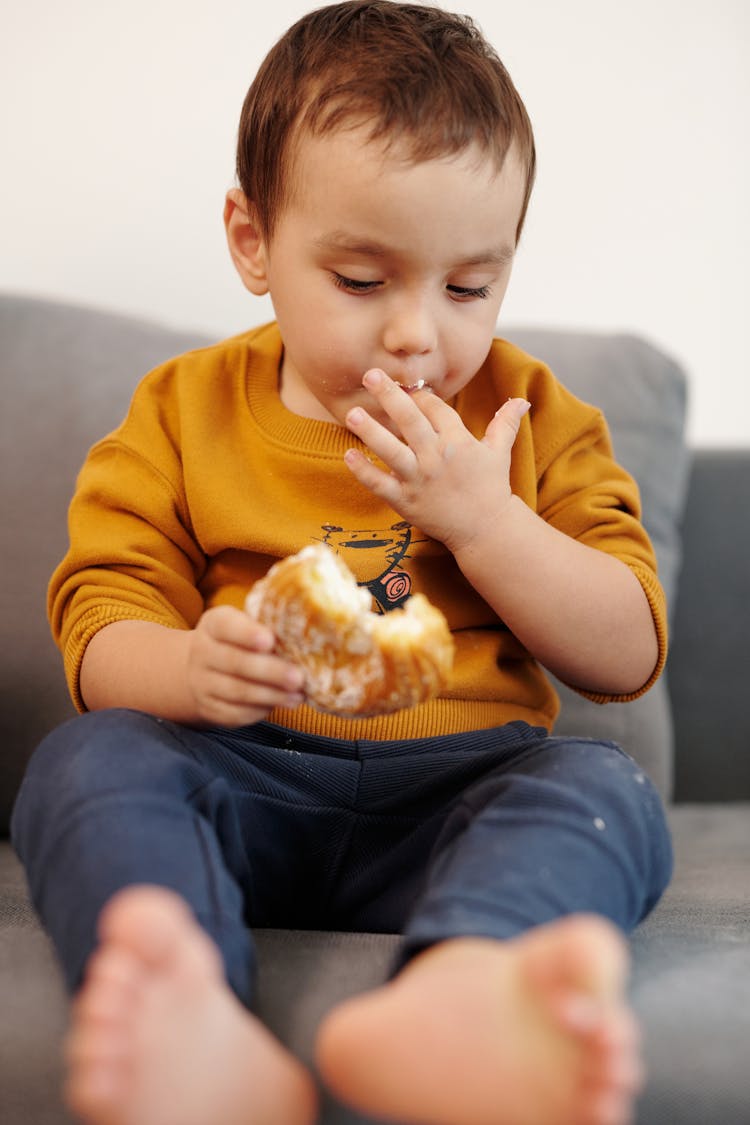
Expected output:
(410, 388)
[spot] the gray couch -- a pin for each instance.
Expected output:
(67, 376)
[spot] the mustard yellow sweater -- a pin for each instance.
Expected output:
(210, 479)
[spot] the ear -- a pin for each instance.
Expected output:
(246, 243)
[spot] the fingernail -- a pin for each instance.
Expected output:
(524, 406)
(372, 379)
(266, 641)
(295, 681)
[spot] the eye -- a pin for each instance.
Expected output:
(351, 285)
(464, 293)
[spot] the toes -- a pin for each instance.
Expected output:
(158, 928)
(145, 919)
(584, 993)
(88, 1051)
(110, 988)
(582, 951)
(608, 1108)
(608, 1027)
(612, 1072)
(615, 1051)
(96, 1048)
(97, 1067)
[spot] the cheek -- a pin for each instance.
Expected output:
(342, 338)
(309, 332)
(470, 341)
(336, 368)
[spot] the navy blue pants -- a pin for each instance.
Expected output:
(484, 834)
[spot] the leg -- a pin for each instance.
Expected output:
(116, 799)
(508, 1012)
(573, 826)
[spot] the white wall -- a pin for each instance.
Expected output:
(118, 128)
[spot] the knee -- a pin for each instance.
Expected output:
(86, 745)
(93, 754)
(602, 773)
(616, 792)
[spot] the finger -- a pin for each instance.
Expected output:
(231, 713)
(384, 485)
(231, 644)
(257, 669)
(436, 410)
(233, 626)
(402, 408)
(504, 427)
(243, 694)
(391, 450)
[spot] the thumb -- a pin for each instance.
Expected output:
(505, 425)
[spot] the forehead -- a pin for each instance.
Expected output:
(361, 139)
(348, 183)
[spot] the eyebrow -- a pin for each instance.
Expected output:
(494, 256)
(340, 242)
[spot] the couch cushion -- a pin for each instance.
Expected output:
(691, 974)
(690, 985)
(643, 395)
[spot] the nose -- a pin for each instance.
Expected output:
(410, 328)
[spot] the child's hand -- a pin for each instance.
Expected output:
(232, 674)
(442, 479)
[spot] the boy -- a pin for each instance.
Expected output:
(385, 163)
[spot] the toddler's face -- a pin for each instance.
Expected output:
(379, 262)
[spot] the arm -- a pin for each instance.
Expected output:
(222, 672)
(581, 612)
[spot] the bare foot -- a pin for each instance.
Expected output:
(532, 1031)
(157, 1037)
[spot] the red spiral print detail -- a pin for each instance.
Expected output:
(397, 586)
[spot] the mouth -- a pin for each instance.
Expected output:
(411, 388)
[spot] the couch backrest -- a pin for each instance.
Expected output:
(708, 668)
(67, 376)
(642, 393)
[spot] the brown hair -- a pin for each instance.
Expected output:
(409, 72)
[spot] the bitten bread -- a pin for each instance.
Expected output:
(356, 662)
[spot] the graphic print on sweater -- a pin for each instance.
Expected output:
(383, 551)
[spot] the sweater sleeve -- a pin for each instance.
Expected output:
(585, 493)
(132, 555)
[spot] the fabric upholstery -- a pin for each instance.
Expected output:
(708, 679)
(690, 985)
(643, 395)
(67, 376)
